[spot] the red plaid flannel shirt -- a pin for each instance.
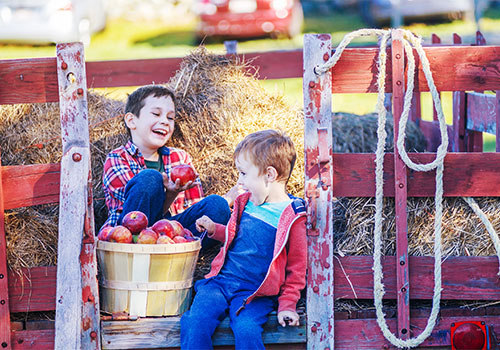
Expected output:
(126, 161)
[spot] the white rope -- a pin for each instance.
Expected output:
(408, 40)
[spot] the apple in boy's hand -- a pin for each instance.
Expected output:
(147, 236)
(178, 229)
(163, 227)
(121, 234)
(105, 233)
(184, 173)
(180, 239)
(164, 240)
(135, 221)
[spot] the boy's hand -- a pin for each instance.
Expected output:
(234, 192)
(175, 186)
(205, 223)
(290, 317)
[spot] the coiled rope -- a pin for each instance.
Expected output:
(408, 40)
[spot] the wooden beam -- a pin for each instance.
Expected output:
(33, 289)
(318, 187)
(465, 175)
(164, 332)
(4, 280)
(77, 325)
(400, 190)
(27, 185)
(464, 277)
(481, 112)
(42, 339)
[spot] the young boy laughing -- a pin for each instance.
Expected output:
(263, 259)
(137, 175)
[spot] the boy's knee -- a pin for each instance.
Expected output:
(217, 208)
(148, 180)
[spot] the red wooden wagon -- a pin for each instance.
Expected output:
(71, 288)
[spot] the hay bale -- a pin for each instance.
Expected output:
(218, 104)
(30, 134)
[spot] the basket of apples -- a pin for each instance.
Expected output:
(146, 271)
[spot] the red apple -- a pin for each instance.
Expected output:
(147, 236)
(187, 233)
(164, 240)
(180, 239)
(163, 227)
(184, 172)
(135, 221)
(121, 234)
(105, 233)
(178, 229)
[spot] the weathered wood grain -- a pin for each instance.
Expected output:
(147, 333)
(33, 290)
(27, 185)
(33, 339)
(465, 174)
(481, 112)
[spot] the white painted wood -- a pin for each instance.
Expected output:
(140, 273)
(317, 91)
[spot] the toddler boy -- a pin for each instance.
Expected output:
(263, 259)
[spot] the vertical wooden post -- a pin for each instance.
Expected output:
(318, 174)
(4, 284)
(474, 139)
(402, 270)
(497, 110)
(459, 109)
(435, 40)
(77, 309)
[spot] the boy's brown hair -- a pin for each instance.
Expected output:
(135, 100)
(269, 148)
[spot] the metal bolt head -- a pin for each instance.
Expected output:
(327, 265)
(1, 276)
(77, 157)
(64, 65)
(312, 84)
(315, 289)
(403, 290)
(4, 344)
(326, 57)
(314, 329)
(79, 91)
(93, 334)
(398, 83)
(398, 56)
(401, 185)
(402, 262)
(2, 302)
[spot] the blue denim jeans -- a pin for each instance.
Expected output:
(145, 192)
(215, 299)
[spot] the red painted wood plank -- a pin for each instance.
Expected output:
(464, 175)
(464, 278)
(33, 339)
(28, 80)
(276, 64)
(400, 190)
(430, 129)
(435, 40)
(481, 112)
(365, 334)
(497, 118)
(131, 72)
(473, 69)
(33, 290)
(4, 283)
(27, 185)
(458, 140)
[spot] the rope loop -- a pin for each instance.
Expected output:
(410, 43)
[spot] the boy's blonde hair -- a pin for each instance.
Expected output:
(269, 148)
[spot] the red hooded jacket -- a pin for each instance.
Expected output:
(286, 275)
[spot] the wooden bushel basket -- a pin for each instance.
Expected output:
(146, 279)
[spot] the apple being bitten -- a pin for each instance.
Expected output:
(120, 234)
(184, 173)
(147, 236)
(135, 221)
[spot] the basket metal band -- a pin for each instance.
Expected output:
(145, 286)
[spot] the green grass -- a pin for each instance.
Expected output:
(123, 39)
